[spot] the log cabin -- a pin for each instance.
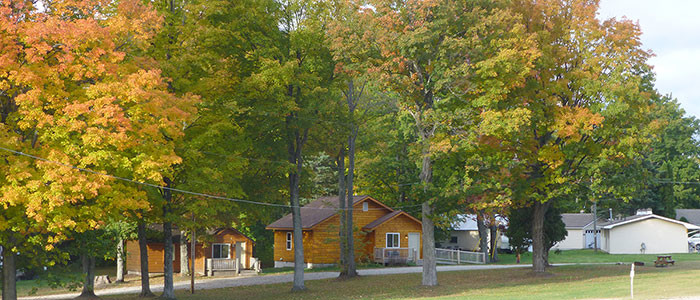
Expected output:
(218, 253)
(381, 233)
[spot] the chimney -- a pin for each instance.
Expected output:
(644, 211)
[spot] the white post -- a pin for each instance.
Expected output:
(632, 281)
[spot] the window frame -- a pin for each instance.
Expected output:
(221, 244)
(289, 241)
(365, 206)
(398, 240)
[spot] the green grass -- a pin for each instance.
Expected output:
(589, 256)
(492, 281)
(566, 282)
(321, 269)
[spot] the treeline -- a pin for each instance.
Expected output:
(120, 114)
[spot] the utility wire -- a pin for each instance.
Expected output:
(176, 189)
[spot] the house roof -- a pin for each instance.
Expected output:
(692, 215)
(318, 211)
(631, 219)
(177, 236)
(386, 218)
(218, 230)
(577, 221)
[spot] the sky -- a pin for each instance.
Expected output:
(671, 29)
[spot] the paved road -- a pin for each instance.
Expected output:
(217, 283)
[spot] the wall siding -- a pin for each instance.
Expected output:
(659, 236)
(401, 224)
(155, 257)
(575, 239)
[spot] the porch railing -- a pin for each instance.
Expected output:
(449, 256)
(394, 255)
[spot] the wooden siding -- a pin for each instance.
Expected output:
(155, 257)
(322, 245)
(401, 224)
(280, 248)
(155, 253)
(228, 236)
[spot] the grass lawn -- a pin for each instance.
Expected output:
(589, 256)
(504, 278)
(566, 282)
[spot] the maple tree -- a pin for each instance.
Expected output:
(72, 96)
(584, 104)
(435, 55)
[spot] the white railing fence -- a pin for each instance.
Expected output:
(450, 256)
(394, 255)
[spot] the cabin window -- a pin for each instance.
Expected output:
(393, 240)
(453, 239)
(289, 241)
(221, 251)
(365, 206)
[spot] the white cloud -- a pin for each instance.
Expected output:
(670, 29)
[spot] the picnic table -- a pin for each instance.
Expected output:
(663, 261)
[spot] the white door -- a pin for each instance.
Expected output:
(414, 245)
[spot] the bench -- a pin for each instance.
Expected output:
(664, 261)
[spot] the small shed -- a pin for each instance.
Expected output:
(580, 233)
(645, 233)
(220, 250)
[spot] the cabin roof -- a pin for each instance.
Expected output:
(318, 211)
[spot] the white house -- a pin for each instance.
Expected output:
(579, 229)
(645, 233)
(465, 233)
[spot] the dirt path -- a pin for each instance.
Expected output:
(217, 283)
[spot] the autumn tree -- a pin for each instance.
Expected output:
(436, 55)
(73, 98)
(584, 104)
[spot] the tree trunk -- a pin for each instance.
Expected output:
(298, 235)
(120, 260)
(143, 255)
(88, 291)
(168, 250)
(9, 273)
(494, 242)
(538, 246)
(340, 162)
(184, 268)
(350, 256)
(483, 234)
(428, 227)
(429, 264)
(294, 148)
(168, 290)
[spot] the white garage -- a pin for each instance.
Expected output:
(645, 233)
(579, 229)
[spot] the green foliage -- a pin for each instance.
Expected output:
(519, 230)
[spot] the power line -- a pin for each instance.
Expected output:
(175, 189)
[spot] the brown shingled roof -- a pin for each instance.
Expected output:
(316, 212)
(576, 220)
(371, 226)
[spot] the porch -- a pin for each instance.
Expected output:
(229, 266)
(395, 256)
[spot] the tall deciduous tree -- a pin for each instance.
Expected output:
(584, 101)
(434, 52)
